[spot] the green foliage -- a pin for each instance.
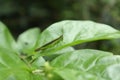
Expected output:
(49, 55)
(20, 15)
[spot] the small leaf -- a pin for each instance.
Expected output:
(27, 40)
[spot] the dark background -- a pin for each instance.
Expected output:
(20, 15)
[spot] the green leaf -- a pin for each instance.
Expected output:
(69, 33)
(113, 72)
(81, 59)
(91, 61)
(84, 60)
(103, 63)
(11, 67)
(71, 74)
(27, 41)
(6, 39)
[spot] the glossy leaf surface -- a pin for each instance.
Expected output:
(95, 62)
(69, 33)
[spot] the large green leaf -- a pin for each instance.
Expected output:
(94, 62)
(26, 41)
(6, 39)
(71, 74)
(81, 59)
(69, 33)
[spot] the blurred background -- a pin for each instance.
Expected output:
(20, 15)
